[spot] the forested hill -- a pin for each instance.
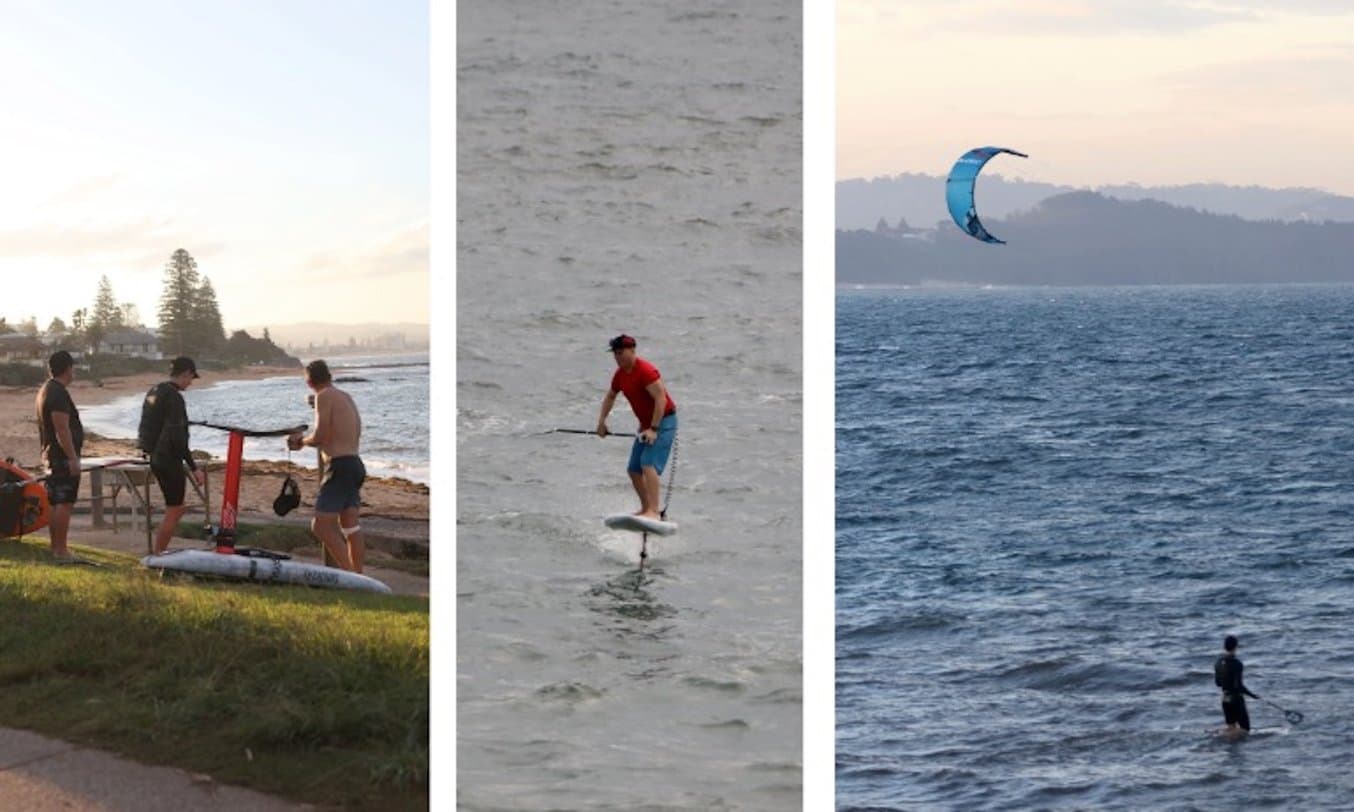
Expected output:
(920, 199)
(1085, 238)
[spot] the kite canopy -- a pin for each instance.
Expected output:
(959, 190)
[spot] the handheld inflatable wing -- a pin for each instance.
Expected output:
(959, 190)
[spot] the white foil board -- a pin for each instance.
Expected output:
(262, 570)
(638, 524)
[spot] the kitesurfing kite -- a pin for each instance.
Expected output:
(959, 190)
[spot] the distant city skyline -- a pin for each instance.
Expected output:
(283, 145)
(1239, 92)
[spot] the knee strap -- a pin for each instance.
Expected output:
(349, 531)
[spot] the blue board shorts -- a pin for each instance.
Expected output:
(342, 487)
(656, 455)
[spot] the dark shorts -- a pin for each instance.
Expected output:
(172, 478)
(342, 486)
(61, 486)
(1235, 713)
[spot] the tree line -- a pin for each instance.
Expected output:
(1084, 238)
(189, 319)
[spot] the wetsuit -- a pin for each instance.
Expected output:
(163, 434)
(1227, 675)
(54, 397)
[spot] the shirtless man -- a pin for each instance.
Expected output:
(338, 429)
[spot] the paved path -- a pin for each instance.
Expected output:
(38, 774)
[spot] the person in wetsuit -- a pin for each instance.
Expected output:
(1227, 675)
(338, 431)
(61, 437)
(163, 435)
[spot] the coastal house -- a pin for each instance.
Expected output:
(63, 340)
(21, 348)
(130, 343)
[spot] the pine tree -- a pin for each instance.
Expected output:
(176, 303)
(131, 315)
(208, 330)
(57, 327)
(105, 318)
(107, 313)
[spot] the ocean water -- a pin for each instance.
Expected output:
(1053, 505)
(628, 167)
(391, 395)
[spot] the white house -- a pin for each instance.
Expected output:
(22, 348)
(130, 343)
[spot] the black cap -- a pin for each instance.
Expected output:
(1230, 643)
(622, 341)
(60, 362)
(181, 365)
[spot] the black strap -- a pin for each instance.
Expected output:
(250, 432)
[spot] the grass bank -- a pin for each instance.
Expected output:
(316, 695)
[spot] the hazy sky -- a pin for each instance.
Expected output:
(1101, 91)
(283, 144)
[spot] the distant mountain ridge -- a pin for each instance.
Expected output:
(920, 200)
(1086, 238)
(317, 332)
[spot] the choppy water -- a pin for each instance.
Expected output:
(391, 393)
(628, 167)
(1053, 505)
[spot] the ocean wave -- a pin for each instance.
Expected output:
(893, 626)
(1103, 517)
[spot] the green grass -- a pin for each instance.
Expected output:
(317, 695)
(282, 538)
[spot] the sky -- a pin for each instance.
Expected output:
(283, 144)
(1244, 92)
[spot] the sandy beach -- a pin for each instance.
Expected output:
(398, 507)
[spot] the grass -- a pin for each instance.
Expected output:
(320, 696)
(282, 538)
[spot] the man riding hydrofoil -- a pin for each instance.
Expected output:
(643, 387)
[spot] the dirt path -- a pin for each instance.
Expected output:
(38, 774)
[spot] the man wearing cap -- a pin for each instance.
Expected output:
(643, 387)
(62, 437)
(163, 434)
(1227, 675)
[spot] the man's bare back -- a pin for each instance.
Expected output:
(338, 426)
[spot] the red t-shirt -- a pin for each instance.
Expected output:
(632, 384)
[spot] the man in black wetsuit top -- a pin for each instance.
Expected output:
(1227, 674)
(163, 434)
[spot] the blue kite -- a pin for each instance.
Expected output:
(959, 190)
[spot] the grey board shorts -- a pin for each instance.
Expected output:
(342, 486)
